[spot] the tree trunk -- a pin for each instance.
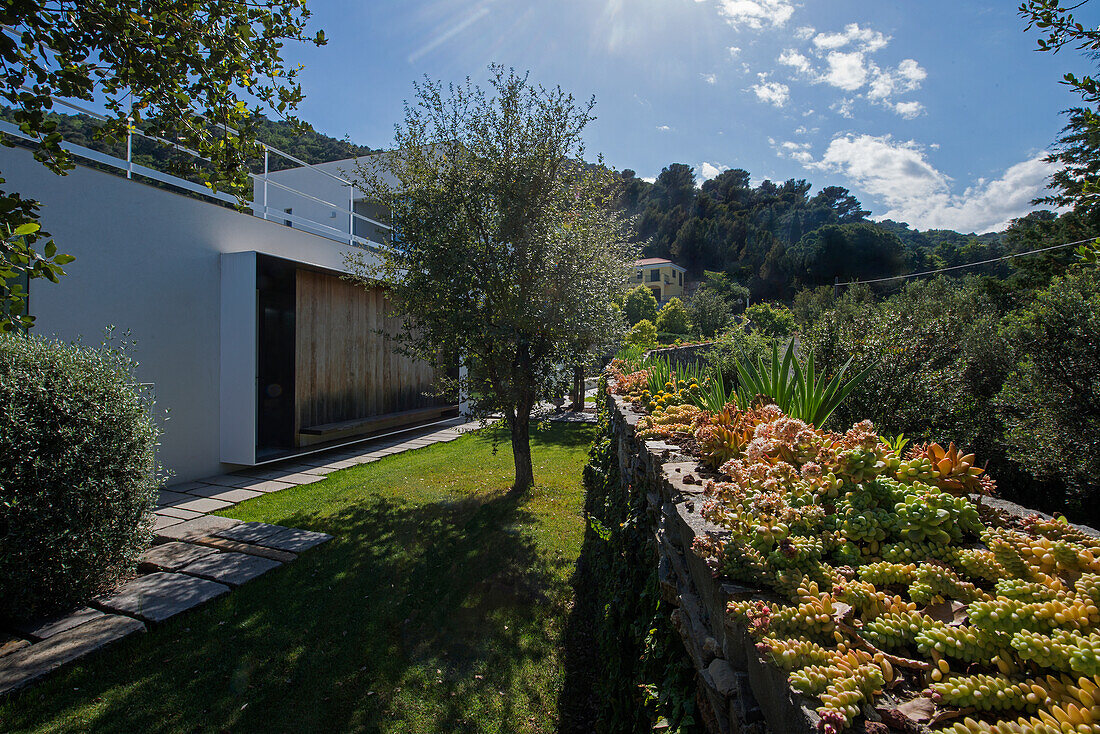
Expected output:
(521, 451)
(578, 388)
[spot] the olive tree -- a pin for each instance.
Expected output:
(507, 247)
(196, 73)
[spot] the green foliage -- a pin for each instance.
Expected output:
(775, 321)
(640, 305)
(859, 251)
(734, 294)
(737, 344)
(20, 262)
(795, 387)
(509, 250)
(1051, 400)
(709, 312)
(1077, 151)
(937, 358)
(77, 473)
(643, 333)
(641, 673)
(166, 67)
(674, 318)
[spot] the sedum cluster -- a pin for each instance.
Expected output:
(883, 574)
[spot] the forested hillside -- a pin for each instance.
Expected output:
(779, 238)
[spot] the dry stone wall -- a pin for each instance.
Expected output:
(739, 692)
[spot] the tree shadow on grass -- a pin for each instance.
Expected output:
(438, 617)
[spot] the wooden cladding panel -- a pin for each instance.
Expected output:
(346, 363)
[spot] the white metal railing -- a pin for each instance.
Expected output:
(306, 224)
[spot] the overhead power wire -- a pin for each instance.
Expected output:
(971, 265)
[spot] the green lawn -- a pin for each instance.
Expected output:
(439, 606)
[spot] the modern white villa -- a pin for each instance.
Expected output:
(254, 344)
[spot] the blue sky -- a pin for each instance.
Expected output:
(936, 113)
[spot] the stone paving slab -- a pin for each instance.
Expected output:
(11, 643)
(41, 629)
(36, 661)
(322, 470)
(300, 478)
(188, 488)
(230, 568)
(266, 485)
(161, 522)
(177, 513)
(226, 494)
(174, 556)
(202, 504)
(274, 536)
(158, 596)
(228, 480)
(197, 528)
(253, 550)
(168, 497)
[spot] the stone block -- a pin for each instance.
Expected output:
(202, 504)
(238, 547)
(722, 676)
(274, 536)
(158, 596)
(230, 568)
(300, 478)
(227, 494)
(42, 658)
(167, 497)
(267, 485)
(11, 643)
(197, 528)
(160, 522)
(178, 513)
(173, 556)
(41, 629)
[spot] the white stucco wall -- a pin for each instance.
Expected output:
(149, 261)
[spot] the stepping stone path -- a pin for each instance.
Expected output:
(196, 557)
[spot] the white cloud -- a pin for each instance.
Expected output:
(864, 39)
(772, 92)
(795, 151)
(663, 128)
(706, 171)
(846, 70)
(907, 77)
(796, 61)
(755, 14)
(899, 174)
(908, 110)
(710, 78)
(843, 107)
(843, 60)
(735, 51)
(649, 179)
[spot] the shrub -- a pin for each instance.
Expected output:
(774, 321)
(77, 473)
(1051, 400)
(643, 333)
(673, 318)
(640, 305)
(709, 312)
(735, 344)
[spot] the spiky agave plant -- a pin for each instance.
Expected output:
(794, 386)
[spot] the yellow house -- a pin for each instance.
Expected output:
(664, 277)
